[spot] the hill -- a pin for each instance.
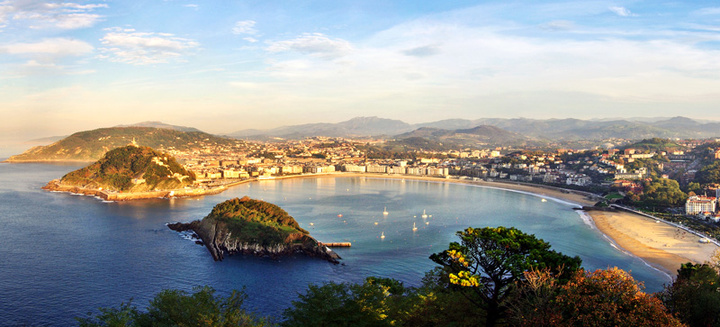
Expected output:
(358, 126)
(253, 227)
(482, 135)
(131, 169)
(92, 145)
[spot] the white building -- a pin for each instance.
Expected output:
(700, 204)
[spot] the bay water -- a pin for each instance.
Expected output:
(63, 255)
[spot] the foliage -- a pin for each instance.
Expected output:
(255, 221)
(608, 297)
(117, 169)
(489, 261)
(377, 302)
(694, 296)
(709, 174)
(178, 308)
(660, 192)
(654, 144)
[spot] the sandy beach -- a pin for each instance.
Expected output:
(663, 246)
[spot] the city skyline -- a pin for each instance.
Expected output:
(223, 67)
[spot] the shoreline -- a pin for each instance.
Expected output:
(662, 246)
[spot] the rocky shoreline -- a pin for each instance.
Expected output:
(57, 186)
(217, 239)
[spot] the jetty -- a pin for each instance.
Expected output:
(337, 244)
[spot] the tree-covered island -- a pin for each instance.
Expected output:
(129, 173)
(255, 227)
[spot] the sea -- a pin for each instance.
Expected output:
(63, 256)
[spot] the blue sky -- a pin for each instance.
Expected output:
(223, 66)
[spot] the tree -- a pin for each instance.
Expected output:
(373, 303)
(709, 174)
(662, 192)
(178, 308)
(608, 297)
(694, 296)
(488, 261)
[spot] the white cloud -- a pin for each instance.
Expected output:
(40, 14)
(621, 11)
(316, 44)
(245, 27)
(250, 39)
(56, 47)
(191, 5)
(423, 51)
(558, 25)
(140, 48)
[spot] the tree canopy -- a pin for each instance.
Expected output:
(489, 261)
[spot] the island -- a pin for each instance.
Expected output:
(130, 173)
(254, 227)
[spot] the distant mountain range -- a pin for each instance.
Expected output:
(536, 130)
(444, 134)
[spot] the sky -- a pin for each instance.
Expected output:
(224, 66)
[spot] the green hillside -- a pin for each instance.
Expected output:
(131, 169)
(92, 145)
(255, 222)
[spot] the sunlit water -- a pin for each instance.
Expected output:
(64, 255)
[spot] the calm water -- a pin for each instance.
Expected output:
(62, 255)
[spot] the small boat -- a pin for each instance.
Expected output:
(382, 235)
(376, 223)
(311, 224)
(385, 212)
(427, 223)
(424, 215)
(339, 215)
(543, 200)
(414, 228)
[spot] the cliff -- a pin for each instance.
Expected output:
(247, 226)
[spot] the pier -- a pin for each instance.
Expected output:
(337, 244)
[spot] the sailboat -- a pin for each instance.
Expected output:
(424, 215)
(414, 228)
(382, 235)
(385, 212)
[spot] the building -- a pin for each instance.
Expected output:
(376, 169)
(700, 204)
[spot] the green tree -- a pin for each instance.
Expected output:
(694, 296)
(662, 192)
(178, 308)
(709, 174)
(373, 303)
(489, 261)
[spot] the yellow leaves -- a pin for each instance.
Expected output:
(465, 279)
(459, 257)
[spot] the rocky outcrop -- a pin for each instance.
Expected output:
(219, 241)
